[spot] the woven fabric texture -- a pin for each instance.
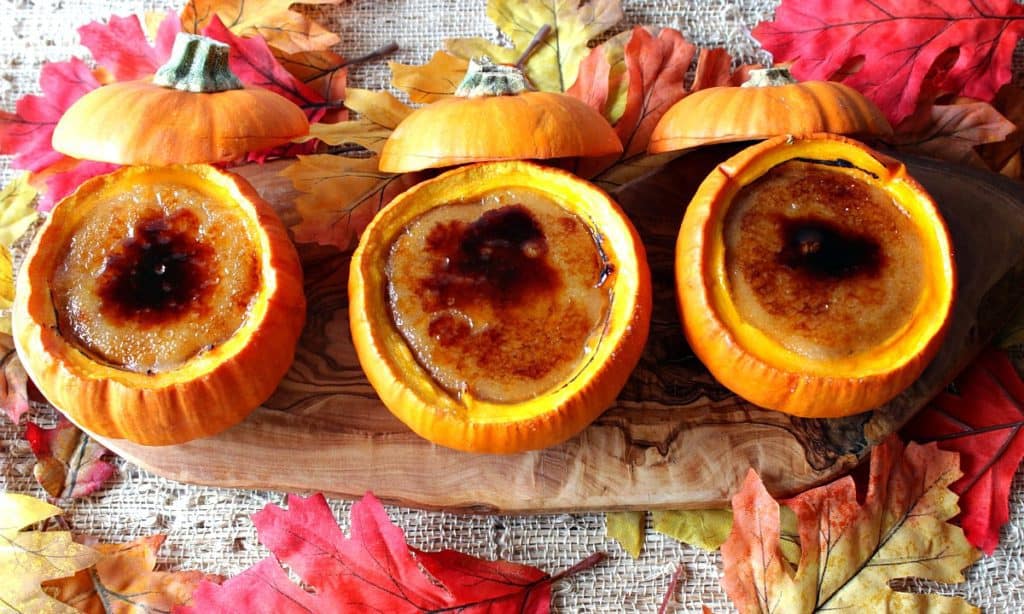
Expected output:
(209, 528)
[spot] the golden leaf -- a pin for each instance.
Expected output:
(708, 529)
(123, 581)
(362, 132)
(378, 106)
(27, 558)
(339, 196)
(16, 211)
(628, 529)
(850, 551)
(281, 27)
(553, 66)
(432, 81)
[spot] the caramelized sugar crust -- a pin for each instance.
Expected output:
(502, 297)
(826, 264)
(155, 275)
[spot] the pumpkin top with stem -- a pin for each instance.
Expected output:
(193, 110)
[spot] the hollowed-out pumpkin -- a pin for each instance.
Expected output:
(814, 275)
(159, 304)
(770, 103)
(194, 109)
(495, 116)
(499, 307)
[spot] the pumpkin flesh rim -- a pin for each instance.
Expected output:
(411, 392)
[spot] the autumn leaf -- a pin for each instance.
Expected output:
(326, 73)
(656, 69)
(339, 196)
(627, 528)
(715, 69)
(123, 581)
(27, 558)
(553, 66)
(1009, 101)
(900, 42)
(13, 381)
(951, 132)
(364, 133)
(984, 422)
(850, 551)
(271, 20)
(432, 81)
(372, 570)
(378, 106)
(709, 528)
(69, 463)
(120, 45)
(16, 212)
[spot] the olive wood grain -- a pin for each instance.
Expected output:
(675, 439)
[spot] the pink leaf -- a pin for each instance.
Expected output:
(121, 46)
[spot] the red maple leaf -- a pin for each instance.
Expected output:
(900, 42)
(121, 47)
(984, 422)
(374, 570)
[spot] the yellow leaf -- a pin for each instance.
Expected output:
(27, 558)
(850, 551)
(432, 81)
(378, 106)
(362, 132)
(628, 529)
(16, 211)
(553, 66)
(708, 529)
(281, 27)
(339, 196)
(123, 581)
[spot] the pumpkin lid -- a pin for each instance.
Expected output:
(194, 109)
(499, 307)
(815, 276)
(496, 116)
(770, 103)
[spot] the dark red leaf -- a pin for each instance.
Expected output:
(121, 47)
(900, 43)
(69, 463)
(984, 422)
(506, 586)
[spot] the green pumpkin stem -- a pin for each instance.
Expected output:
(197, 64)
(769, 77)
(485, 78)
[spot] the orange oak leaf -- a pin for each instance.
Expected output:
(432, 81)
(339, 196)
(952, 132)
(273, 20)
(123, 581)
(372, 570)
(69, 463)
(850, 550)
(984, 422)
(715, 68)
(553, 66)
(897, 44)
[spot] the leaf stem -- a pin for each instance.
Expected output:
(538, 38)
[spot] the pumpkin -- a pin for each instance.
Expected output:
(499, 307)
(494, 116)
(159, 304)
(814, 276)
(770, 103)
(193, 110)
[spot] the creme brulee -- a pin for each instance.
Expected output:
(501, 297)
(824, 263)
(155, 275)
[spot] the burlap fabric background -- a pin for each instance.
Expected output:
(209, 528)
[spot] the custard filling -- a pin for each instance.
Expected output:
(826, 264)
(155, 275)
(503, 298)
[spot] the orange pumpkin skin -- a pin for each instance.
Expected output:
(728, 114)
(529, 125)
(137, 122)
(475, 425)
(206, 394)
(756, 367)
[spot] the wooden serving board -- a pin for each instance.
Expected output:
(675, 438)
